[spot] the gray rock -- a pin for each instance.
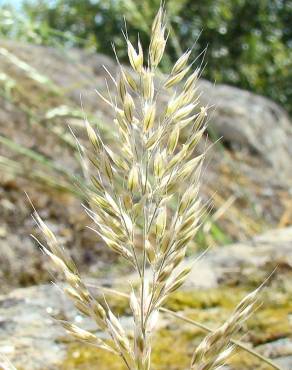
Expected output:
(273, 247)
(280, 351)
(285, 362)
(27, 333)
(251, 121)
(278, 348)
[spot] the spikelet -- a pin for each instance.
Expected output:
(191, 81)
(181, 63)
(148, 85)
(122, 87)
(149, 117)
(176, 78)
(150, 252)
(158, 40)
(129, 107)
(215, 348)
(93, 137)
(160, 224)
(136, 59)
(133, 180)
(158, 165)
(130, 80)
(85, 335)
(173, 140)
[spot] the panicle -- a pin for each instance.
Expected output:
(144, 203)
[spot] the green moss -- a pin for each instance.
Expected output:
(172, 349)
(203, 299)
(270, 324)
(82, 357)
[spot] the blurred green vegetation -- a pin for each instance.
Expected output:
(249, 43)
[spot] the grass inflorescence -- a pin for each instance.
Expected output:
(129, 201)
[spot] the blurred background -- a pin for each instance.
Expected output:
(52, 54)
(249, 42)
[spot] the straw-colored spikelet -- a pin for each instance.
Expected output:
(84, 301)
(144, 201)
(216, 348)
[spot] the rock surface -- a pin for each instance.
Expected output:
(273, 248)
(32, 340)
(251, 121)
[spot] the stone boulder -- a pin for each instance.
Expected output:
(251, 121)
